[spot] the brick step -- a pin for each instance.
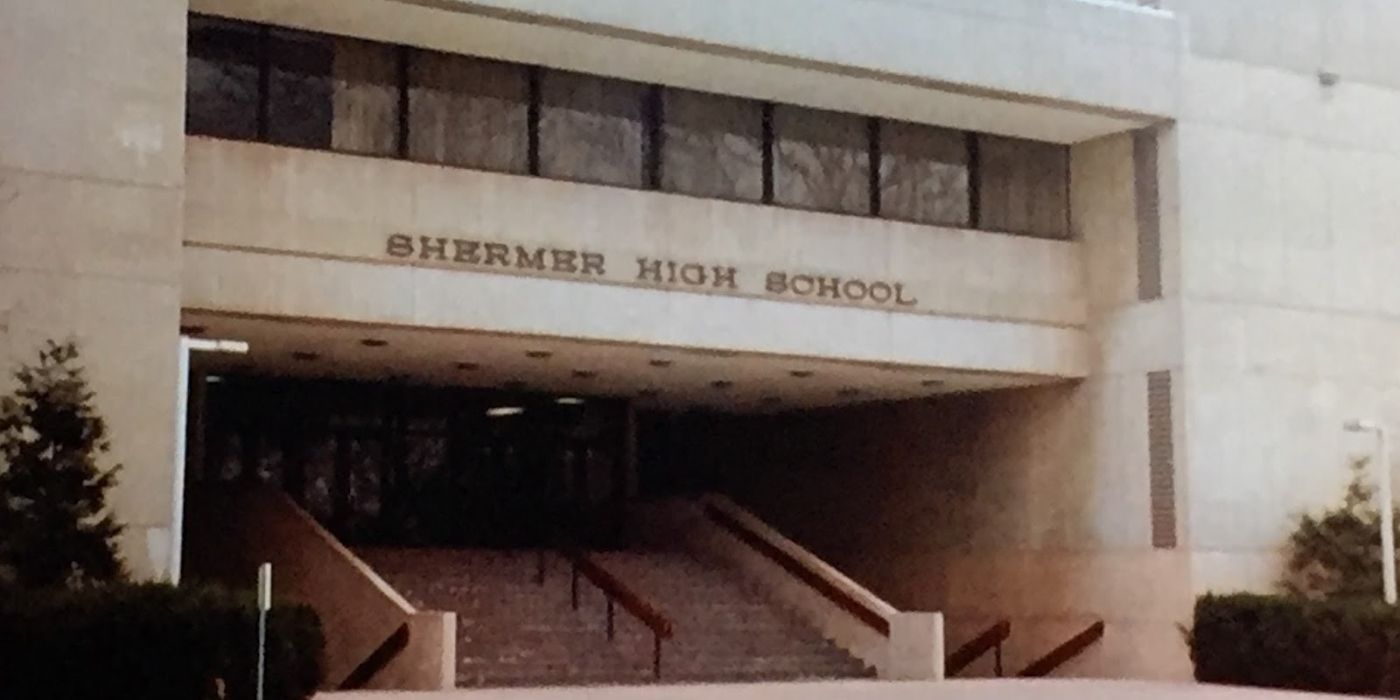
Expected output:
(512, 632)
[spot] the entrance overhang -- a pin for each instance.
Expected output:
(652, 375)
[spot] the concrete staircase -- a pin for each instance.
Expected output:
(513, 632)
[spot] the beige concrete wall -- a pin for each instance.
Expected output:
(231, 531)
(1291, 309)
(298, 233)
(983, 507)
(1030, 505)
(429, 662)
(91, 170)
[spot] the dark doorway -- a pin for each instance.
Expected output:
(397, 464)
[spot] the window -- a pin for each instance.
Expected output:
(1023, 187)
(924, 174)
(254, 82)
(299, 94)
(591, 129)
(467, 111)
(821, 160)
(712, 146)
(222, 79)
(364, 82)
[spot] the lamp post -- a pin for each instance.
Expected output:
(182, 402)
(1387, 503)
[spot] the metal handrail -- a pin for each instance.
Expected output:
(990, 639)
(803, 573)
(615, 592)
(1063, 653)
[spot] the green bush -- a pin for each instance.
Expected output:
(1338, 646)
(153, 642)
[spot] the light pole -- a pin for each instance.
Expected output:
(182, 402)
(1387, 503)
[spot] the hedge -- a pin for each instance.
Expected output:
(1298, 644)
(153, 642)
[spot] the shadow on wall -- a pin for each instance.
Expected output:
(984, 506)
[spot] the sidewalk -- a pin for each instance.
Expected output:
(862, 690)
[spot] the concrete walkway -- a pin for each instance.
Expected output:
(862, 690)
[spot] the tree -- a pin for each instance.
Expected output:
(1337, 554)
(55, 529)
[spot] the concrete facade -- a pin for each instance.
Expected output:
(1180, 367)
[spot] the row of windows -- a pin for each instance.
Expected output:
(254, 82)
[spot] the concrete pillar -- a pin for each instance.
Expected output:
(915, 651)
(91, 177)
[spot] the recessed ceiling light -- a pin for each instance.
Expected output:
(568, 401)
(468, 366)
(514, 385)
(503, 411)
(539, 354)
(213, 379)
(584, 374)
(192, 330)
(304, 356)
(848, 392)
(801, 373)
(374, 342)
(721, 384)
(658, 362)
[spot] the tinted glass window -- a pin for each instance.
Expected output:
(1024, 187)
(821, 160)
(591, 129)
(712, 146)
(467, 111)
(364, 79)
(299, 97)
(923, 174)
(221, 96)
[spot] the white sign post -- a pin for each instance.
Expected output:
(264, 606)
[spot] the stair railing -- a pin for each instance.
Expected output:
(757, 542)
(1060, 655)
(989, 640)
(615, 592)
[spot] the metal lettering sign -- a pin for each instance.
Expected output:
(650, 272)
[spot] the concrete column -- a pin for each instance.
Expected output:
(91, 176)
(915, 651)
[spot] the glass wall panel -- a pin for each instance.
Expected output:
(1024, 187)
(222, 79)
(299, 94)
(467, 111)
(591, 129)
(712, 146)
(364, 79)
(821, 160)
(923, 174)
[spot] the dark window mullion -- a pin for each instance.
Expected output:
(768, 155)
(532, 120)
(974, 181)
(405, 58)
(264, 81)
(653, 114)
(873, 133)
